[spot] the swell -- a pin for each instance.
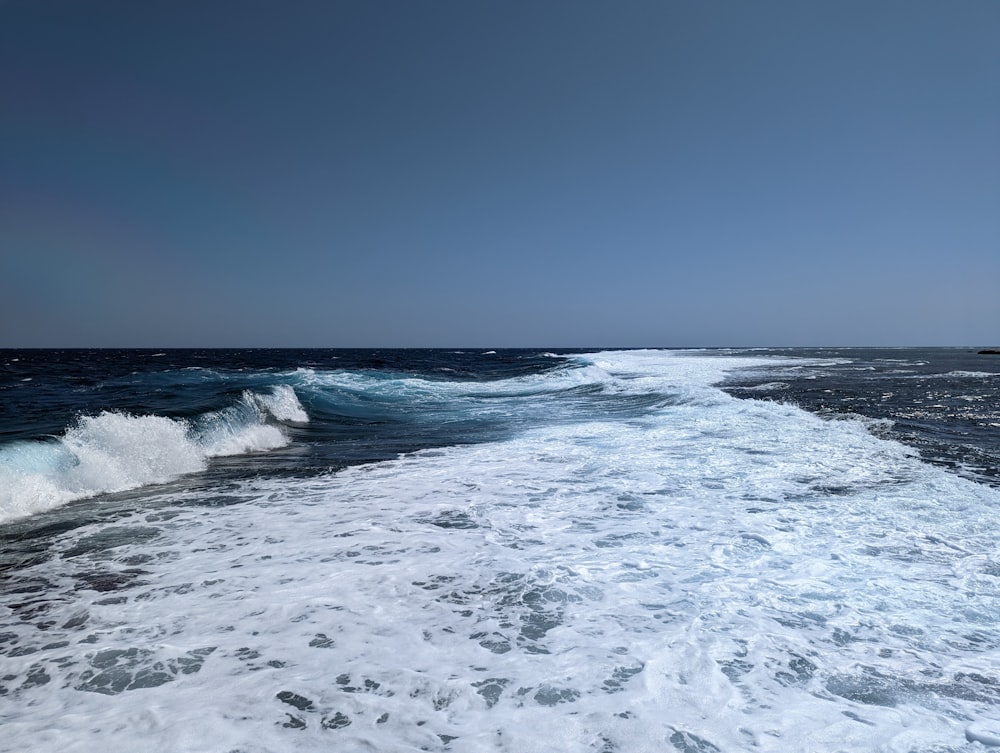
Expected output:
(164, 425)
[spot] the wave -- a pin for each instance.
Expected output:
(379, 395)
(390, 385)
(970, 374)
(952, 375)
(116, 451)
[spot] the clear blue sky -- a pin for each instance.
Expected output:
(365, 173)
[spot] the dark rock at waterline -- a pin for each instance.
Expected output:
(990, 352)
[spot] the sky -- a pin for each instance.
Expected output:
(430, 173)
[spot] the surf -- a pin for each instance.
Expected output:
(705, 573)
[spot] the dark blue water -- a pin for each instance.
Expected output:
(945, 402)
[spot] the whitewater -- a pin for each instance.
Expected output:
(611, 553)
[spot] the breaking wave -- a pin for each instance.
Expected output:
(116, 451)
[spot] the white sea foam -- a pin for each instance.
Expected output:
(767, 387)
(113, 452)
(971, 374)
(373, 387)
(953, 375)
(284, 405)
(718, 575)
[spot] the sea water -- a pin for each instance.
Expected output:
(513, 551)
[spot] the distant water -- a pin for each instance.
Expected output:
(513, 551)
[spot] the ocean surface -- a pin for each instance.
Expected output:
(402, 550)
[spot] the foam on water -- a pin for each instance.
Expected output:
(113, 451)
(970, 374)
(283, 404)
(387, 386)
(716, 575)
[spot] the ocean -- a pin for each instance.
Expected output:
(513, 550)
